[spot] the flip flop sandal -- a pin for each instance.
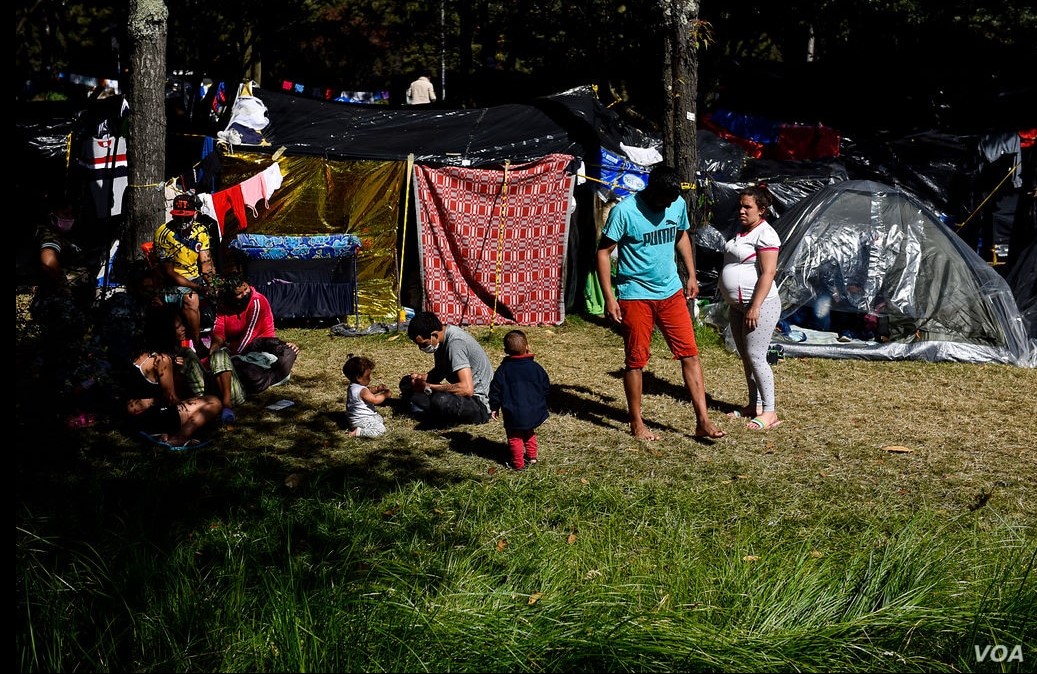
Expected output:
(758, 424)
(193, 443)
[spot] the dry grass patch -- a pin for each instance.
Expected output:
(965, 426)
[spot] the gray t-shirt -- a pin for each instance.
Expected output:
(458, 351)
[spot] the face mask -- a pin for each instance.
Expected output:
(239, 305)
(63, 225)
(429, 348)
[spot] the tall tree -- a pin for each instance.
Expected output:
(680, 82)
(146, 153)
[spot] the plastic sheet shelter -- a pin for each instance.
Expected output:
(573, 122)
(939, 299)
(345, 166)
(325, 196)
(1023, 280)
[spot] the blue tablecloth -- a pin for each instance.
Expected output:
(309, 247)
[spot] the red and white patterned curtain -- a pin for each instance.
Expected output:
(493, 241)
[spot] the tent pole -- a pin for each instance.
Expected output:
(401, 315)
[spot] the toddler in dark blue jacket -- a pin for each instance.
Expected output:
(519, 390)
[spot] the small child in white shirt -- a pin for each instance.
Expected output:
(362, 398)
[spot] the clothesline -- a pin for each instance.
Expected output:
(234, 199)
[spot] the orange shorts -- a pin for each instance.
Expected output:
(674, 320)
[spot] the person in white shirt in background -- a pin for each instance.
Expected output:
(421, 91)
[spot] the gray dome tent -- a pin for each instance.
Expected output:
(929, 296)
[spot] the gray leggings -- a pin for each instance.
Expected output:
(752, 347)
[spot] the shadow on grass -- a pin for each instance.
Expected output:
(653, 385)
(588, 405)
(99, 484)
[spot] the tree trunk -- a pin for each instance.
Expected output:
(252, 61)
(680, 78)
(146, 148)
(680, 73)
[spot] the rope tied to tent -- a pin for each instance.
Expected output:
(500, 241)
(992, 193)
(401, 315)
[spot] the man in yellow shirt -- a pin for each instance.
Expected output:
(185, 266)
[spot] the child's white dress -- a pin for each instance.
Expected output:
(362, 415)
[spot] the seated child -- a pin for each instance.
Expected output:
(362, 398)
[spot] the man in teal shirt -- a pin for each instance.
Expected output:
(646, 230)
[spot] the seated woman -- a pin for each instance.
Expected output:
(247, 356)
(154, 404)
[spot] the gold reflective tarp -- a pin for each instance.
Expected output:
(321, 196)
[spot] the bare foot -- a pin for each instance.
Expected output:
(708, 430)
(642, 433)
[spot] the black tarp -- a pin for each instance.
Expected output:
(1023, 280)
(572, 122)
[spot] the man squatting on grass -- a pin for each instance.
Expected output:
(645, 228)
(457, 388)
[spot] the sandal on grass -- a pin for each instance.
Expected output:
(193, 443)
(758, 424)
(156, 439)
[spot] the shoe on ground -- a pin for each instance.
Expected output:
(844, 339)
(227, 416)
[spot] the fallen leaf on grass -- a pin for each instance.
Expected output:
(898, 449)
(501, 544)
(980, 500)
(750, 558)
(393, 338)
(584, 480)
(535, 597)
(816, 553)
(571, 539)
